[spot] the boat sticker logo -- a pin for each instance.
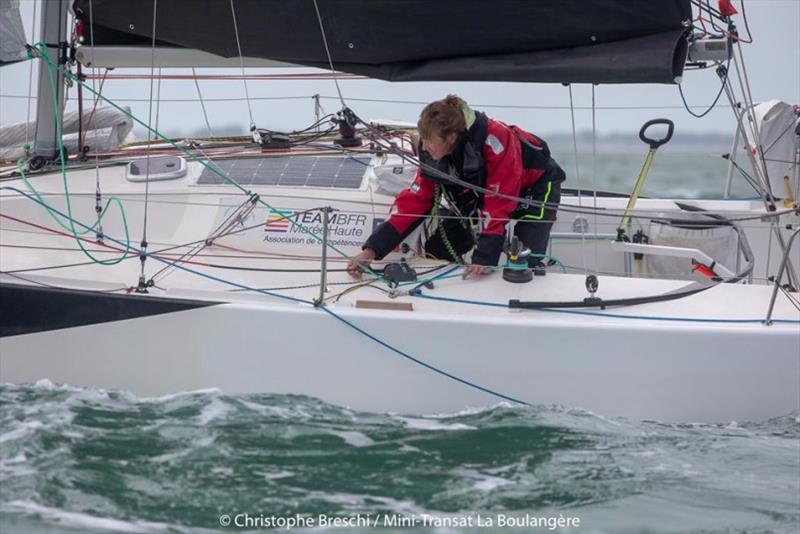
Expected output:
(288, 227)
(278, 221)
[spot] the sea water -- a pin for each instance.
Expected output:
(86, 460)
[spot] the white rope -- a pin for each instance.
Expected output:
(328, 52)
(578, 177)
(241, 65)
(202, 104)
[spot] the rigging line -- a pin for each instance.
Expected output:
(304, 286)
(594, 173)
(791, 125)
(746, 26)
(328, 52)
(241, 65)
(199, 245)
(712, 12)
(792, 299)
(30, 79)
(739, 114)
(749, 108)
(143, 257)
(49, 267)
(749, 179)
(97, 190)
(158, 102)
(578, 177)
(511, 106)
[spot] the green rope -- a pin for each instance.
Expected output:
(437, 200)
(75, 234)
(57, 219)
(43, 55)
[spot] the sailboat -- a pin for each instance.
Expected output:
(173, 266)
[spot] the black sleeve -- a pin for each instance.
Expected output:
(386, 237)
(488, 249)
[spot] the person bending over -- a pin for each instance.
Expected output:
(466, 144)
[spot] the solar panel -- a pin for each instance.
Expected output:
(291, 171)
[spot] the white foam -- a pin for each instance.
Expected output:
(474, 410)
(357, 502)
(482, 481)
(180, 394)
(352, 437)
(196, 444)
(81, 520)
(23, 429)
(427, 424)
(216, 409)
(223, 471)
(276, 475)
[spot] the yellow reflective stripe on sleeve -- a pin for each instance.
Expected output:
(541, 208)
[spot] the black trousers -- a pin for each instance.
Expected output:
(535, 222)
(532, 227)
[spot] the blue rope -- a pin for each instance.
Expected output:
(294, 299)
(418, 293)
(424, 364)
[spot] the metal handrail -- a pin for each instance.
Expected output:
(768, 320)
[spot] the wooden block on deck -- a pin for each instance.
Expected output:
(384, 305)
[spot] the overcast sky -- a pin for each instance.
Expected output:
(773, 63)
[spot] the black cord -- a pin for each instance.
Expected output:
(713, 104)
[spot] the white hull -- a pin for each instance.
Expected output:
(642, 369)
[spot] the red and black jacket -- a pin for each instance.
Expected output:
(491, 155)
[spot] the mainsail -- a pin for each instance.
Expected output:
(560, 41)
(12, 34)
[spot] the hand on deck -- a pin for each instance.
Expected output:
(357, 263)
(475, 270)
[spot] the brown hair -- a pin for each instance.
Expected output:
(442, 117)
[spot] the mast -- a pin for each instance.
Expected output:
(53, 34)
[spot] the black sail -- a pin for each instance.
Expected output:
(568, 41)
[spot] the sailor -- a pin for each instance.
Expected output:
(468, 145)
